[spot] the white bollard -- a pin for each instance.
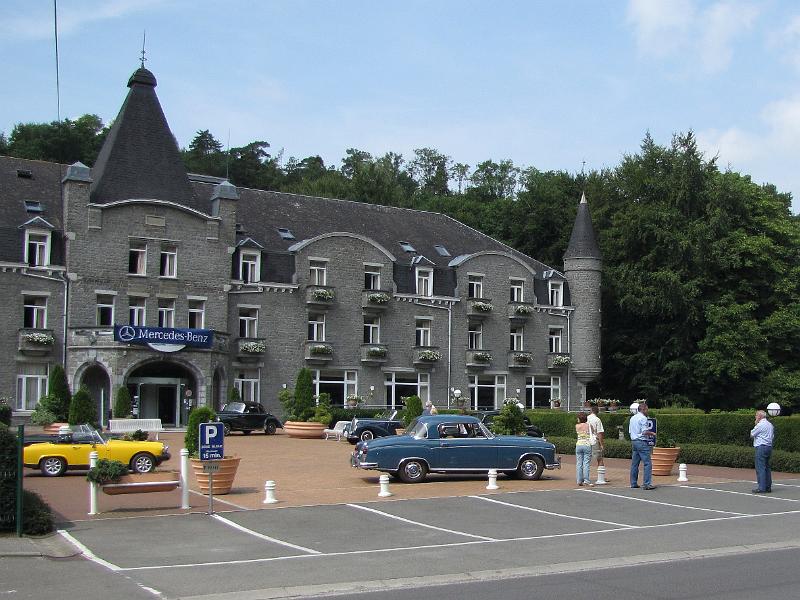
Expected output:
(269, 492)
(384, 480)
(601, 475)
(92, 486)
(492, 480)
(682, 472)
(185, 478)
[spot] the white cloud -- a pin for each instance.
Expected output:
(789, 39)
(722, 23)
(661, 26)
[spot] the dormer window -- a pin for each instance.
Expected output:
(33, 206)
(556, 293)
(285, 233)
(441, 250)
(425, 282)
(250, 266)
(37, 248)
(407, 246)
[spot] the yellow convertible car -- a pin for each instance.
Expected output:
(71, 451)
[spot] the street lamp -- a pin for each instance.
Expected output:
(774, 409)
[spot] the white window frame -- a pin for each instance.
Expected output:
(137, 311)
(317, 272)
(37, 311)
(197, 308)
(248, 321)
(423, 331)
(475, 286)
(498, 386)
(248, 387)
(372, 278)
(424, 282)
(37, 252)
(166, 312)
(555, 338)
(316, 327)
(554, 387)
(556, 292)
(517, 339)
(103, 305)
(168, 263)
(517, 290)
(424, 386)
(139, 263)
(24, 383)
(250, 266)
(372, 329)
(475, 336)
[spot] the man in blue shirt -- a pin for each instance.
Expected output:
(640, 451)
(763, 435)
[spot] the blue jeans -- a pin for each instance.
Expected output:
(641, 453)
(583, 458)
(763, 470)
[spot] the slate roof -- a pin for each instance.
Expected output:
(583, 241)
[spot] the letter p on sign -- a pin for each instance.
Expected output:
(210, 433)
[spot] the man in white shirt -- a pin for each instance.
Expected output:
(763, 435)
(596, 435)
(641, 450)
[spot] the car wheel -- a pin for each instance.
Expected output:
(412, 471)
(366, 435)
(53, 466)
(531, 468)
(270, 428)
(226, 429)
(143, 463)
(246, 432)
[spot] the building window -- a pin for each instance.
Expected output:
(248, 322)
(166, 312)
(35, 312)
(318, 272)
(540, 390)
(37, 249)
(423, 337)
(338, 384)
(372, 330)
(372, 278)
(31, 386)
(316, 327)
(475, 286)
(136, 311)
(137, 259)
(424, 387)
(487, 392)
(517, 290)
(197, 314)
(556, 296)
(402, 385)
(424, 282)
(554, 335)
(475, 340)
(517, 338)
(169, 262)
(246, 382)
(105, 310)
(250, 267)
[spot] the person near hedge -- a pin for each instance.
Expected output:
(583, 451)
(596, 435)
(763, 435)
(640, 449)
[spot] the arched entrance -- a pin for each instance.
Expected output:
(218, 389)
(96, 379)
(163, 390)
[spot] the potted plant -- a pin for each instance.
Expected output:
(664, 457)
(555, 402)
(113, 478)
(353, 401)
(300, 409)
(223, 479)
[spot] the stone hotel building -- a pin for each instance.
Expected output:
(180, 286)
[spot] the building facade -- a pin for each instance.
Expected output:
(179, 286)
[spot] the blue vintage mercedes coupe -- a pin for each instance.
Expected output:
(454, 444)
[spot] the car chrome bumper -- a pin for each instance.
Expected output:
(555, 465)
(357, 464)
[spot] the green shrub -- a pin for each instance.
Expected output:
(347, 414)
(50, 405)
(82, 409)
(58, 388)
(200, 414)
(42, 417)
(122, 403)
(5, 412)
(412, 410)
(106, 471)
(136, 436)
(298, 404)
(510, 421)
(37, 518)
(322, 413)
(234, 395)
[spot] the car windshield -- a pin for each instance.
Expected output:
(417, 429)
(234, 407)
(85, 434)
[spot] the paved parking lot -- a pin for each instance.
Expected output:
(272, 553)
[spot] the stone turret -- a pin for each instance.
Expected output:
(583, 266)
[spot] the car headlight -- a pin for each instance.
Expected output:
(166, 448)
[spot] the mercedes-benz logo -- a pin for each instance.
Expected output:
(127, 333)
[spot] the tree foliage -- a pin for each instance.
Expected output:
(82, 408)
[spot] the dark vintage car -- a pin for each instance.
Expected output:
(247, 417)
(365, 429)
(454, 444)
(488, 416)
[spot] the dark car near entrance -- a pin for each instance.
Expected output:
(247, 417)
(364, 429)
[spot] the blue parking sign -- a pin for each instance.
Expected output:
(212, 441)
(651, 426)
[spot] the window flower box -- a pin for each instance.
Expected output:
(478, 358)
(38, 339)
(35, 342)
(479, 308)
(253, 347)
(520, 359)
(378, 298)
(320, 349)
(483, 307)
(558, 361)
(430, 355)
(482, 357)
(373, 354)
(322, 295)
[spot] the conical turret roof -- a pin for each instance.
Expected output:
(583, 241)
(140, 157)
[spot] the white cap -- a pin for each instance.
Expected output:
(634, 408)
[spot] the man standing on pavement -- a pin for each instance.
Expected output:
(640, 452)
(763, 434)
(596, 435)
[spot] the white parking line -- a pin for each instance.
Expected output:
(88, 553)
(547, 512)
(695, 487)
(390, 516)
(792, 485)
(725, 512)
(218, 499)
(261, 536)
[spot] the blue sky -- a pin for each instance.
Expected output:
(545, 84)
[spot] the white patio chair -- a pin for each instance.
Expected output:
(339, 430)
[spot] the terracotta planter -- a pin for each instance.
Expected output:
(223, 479)
(664, 459)
(54, 427)
(159, 481)
(299, 429)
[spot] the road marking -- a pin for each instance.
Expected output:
(792, 485)
(217, 499)
(547, 512)
(390, 516)
(261, 536)
(767, 497)
(725, 512)
(88, 553)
